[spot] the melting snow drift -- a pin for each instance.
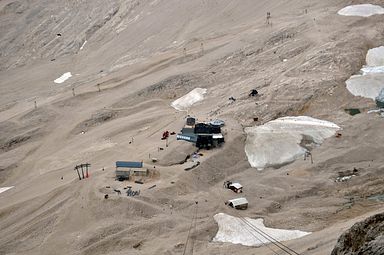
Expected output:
(362, 10)
(63, 78)
(278, 142)
(3, 189)
(375, 57)
(370, 82)
(368, 86)
(186, 101)
(238, 231)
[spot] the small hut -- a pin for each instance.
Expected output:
(125, 169)
(236, 187)
(238, 203)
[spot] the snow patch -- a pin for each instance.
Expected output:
(368, 85)
(362, 10)
(278, 142)
(375, 111)
(63, 78)
(3, 189)
(247, 232)
(375, 57)
(186, 101)
(84, 43)
(372, 69)
(370, 82)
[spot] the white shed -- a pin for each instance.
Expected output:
(236, 187)
(238, 203)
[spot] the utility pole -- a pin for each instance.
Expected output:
(77, 170)
(82, 166)
(86, 170)
(35, 104)
(73, 92)
(268, 17)
(308, 154)
(185, 52)
(82, 171)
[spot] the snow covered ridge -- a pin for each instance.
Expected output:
(370, 82)
(362, 10)
(186, 101)
(63, 78)
(278, 142)
(249, 231)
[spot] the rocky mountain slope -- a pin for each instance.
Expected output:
(364, 237)
(129, 60)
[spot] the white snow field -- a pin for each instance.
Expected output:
(375, 57)
(368, 85)
(249, 231)
(3, 189)
(186, 101)
(63, 78)
(370, 82)
(278, 142)
(362, 10)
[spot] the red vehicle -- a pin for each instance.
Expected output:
(165, 135)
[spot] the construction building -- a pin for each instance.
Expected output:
(203, 135)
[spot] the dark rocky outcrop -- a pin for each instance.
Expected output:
(363, 238)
